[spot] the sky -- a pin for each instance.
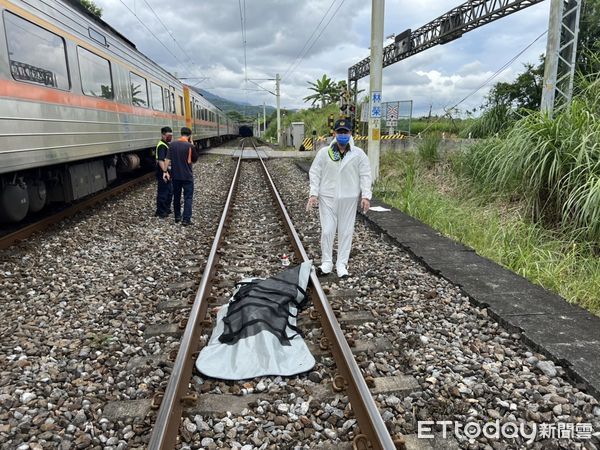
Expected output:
(204, 39)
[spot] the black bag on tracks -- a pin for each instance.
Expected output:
(256, 333)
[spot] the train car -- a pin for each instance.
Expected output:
(79, 104)
(208, 123)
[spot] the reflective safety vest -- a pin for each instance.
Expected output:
(334, 152)
(161, 142)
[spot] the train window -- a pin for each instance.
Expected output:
(95, 74)
(181, 105)
(157, 97)
(139, 90)
(36, 55)
(98, 37)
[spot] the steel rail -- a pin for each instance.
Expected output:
(166, 428)
(25, 232)
(367, 414)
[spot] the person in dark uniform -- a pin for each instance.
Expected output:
(164, 191)
(180, 156)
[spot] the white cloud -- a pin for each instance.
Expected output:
(276, 31)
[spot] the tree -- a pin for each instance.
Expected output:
(587, 40)
(324, 89)
(526, 91)
(236, 116)
(91, 7)
(523, 93)
(342, 86)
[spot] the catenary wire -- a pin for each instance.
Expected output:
(309, 39)
(490, 78)
(171, 34)
(150, 31)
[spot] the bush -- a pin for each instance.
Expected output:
(492, 122)
(428, 149)
(553, 164)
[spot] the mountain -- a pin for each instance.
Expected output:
(228, 105)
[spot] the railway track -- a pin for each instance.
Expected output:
(425, 352)
(235, 250)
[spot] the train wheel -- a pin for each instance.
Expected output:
(37, 195)
(14, 202)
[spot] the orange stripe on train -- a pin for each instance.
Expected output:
(30, 92)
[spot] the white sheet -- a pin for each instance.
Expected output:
(258, 355)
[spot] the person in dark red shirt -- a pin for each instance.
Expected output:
(180, 156)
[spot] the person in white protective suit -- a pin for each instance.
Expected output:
(340, 176)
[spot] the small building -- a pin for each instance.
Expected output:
(296, 134)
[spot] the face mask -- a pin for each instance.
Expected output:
(342, 139)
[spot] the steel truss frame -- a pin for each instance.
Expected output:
(449, 26)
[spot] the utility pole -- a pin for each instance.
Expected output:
(258, 123)
(561, 51)
(277, 94)
(376, 67)
(264, 119)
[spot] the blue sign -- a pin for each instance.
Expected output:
(376, 97)
(376, 112)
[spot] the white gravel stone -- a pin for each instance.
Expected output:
(283, 408)
(547, 367)
(207, 441)
(189, 425)
(330, 433)
(27, 397)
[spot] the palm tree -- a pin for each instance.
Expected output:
(341, 87)
(324, 91)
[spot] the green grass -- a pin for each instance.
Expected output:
(492, 122)
(439, 125)
(552, 164)
(428, 149)
(496, 229)
(314, 119)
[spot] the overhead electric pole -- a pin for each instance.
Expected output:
(561, 51)
(277, 80)
(264, 119)
(376, 67)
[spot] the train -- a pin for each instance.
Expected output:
(80, 105)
